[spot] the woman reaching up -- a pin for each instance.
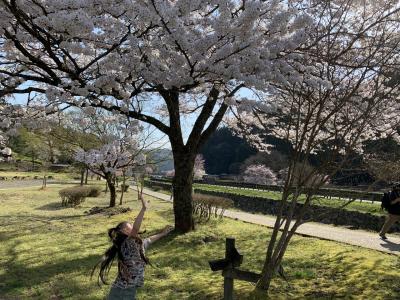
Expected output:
(129, 250)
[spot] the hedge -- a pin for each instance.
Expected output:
(75, 195)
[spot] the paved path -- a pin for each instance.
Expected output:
(360, 238)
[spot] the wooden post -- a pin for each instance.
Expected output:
(228, 285)
(228, 265)
(228, 278)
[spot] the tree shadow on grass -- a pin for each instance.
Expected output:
(391, 246)
(19, 276)
(339, 276)
(7, 220)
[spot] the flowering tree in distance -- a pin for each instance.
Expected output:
(170, 173)
(199, 170)
(259, 174)
(122, 148)
(107, 160)
(353, 49)
(154, 61)
(8, 114)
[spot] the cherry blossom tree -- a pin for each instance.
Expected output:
(170, 173)
(352, 49)
(155, 61)
(259, 174)
(121, 147)
(199, 170)
(384, 167)
(301, 172)
(5, 153)
(5, 130)
(106, 160)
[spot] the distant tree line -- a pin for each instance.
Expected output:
(227, 153)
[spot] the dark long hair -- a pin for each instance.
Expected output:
(117, 237)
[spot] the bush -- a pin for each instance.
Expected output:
(74, 196)
(94, 191)
(206, 206)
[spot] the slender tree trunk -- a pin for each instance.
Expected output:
(266, 277)
(44, 184)
(182, 191)
(86, 176)
(82, 176)
(122, 188)
(33, 161)
(111, 186)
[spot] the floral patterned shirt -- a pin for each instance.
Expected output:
(133, 275)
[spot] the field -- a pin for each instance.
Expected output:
(47, 252)
(364, 206)
(58, 176)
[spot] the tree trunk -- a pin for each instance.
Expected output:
(277, 246)
(122, 188)
(33, 161)
(86, 176)
(111, 187)
(82, 176)
(44, 184)
(265, 281)
(182, 191)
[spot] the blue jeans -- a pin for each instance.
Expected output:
(117, 293)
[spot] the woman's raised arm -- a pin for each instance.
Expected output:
(158, 236)
(139, 218)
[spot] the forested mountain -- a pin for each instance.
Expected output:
(162, 159)
(224, 152)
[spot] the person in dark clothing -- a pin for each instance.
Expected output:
(393, 212)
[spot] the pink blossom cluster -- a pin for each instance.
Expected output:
(260, 174)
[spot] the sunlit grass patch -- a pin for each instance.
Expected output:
(47, 251)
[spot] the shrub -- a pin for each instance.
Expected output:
(73, 196)
(206, 206)
(94, 191)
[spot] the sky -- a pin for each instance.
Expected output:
(161, 139)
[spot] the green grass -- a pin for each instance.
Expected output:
(47, 252)
(365, 207)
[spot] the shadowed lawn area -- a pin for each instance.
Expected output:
(47, 252)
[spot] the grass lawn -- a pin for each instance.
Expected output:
(47, 252)
(365, 207)
(30, 175)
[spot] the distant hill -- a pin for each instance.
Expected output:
(163, 159)
(224, 152)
